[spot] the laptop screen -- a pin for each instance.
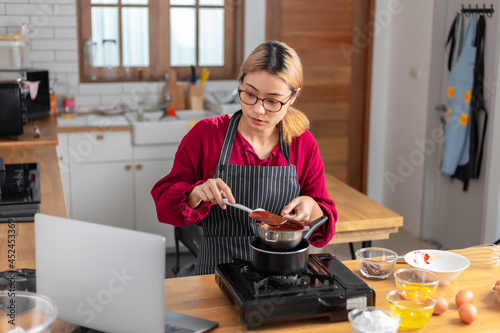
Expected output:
(101, 277)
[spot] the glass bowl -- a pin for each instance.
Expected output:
(371, 319)
(26, 312)
(414, 308)
(376, 262)
(417, 279)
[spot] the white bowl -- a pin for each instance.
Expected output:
(447, 265)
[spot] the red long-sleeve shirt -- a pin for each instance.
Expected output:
(196, 160)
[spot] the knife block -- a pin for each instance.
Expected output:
(195, 97)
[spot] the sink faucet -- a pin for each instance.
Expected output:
(167, 96)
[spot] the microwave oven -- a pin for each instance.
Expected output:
(12, 107)
(39, 106)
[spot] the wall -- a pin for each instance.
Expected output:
(53, 46)
(404, 118)
(399, 107)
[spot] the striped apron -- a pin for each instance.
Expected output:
(227, 234)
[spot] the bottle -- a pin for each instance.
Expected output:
(53, 107)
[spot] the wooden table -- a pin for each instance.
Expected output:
(360, 218)
(201, 297)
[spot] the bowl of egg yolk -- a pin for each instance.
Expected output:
(416, 279)
(414, 308)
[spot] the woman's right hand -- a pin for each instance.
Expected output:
(212, 190)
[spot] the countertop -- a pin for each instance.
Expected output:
(48, 134)
(200, 296)
(28, 149)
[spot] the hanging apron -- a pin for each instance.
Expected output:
(227, 234)
(478, 113)
(460, 81)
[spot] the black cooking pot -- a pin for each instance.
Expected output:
(268, 260)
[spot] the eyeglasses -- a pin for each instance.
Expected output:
(269, 104)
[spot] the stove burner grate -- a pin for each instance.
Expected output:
(260, 284)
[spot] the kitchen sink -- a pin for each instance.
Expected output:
(154, 129)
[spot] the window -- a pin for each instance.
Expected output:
(128, 40)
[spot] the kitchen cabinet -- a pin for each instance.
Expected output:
(151, 163)
(107, 180)
(62, 158)
(103, 193)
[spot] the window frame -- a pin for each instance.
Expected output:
(159, 31)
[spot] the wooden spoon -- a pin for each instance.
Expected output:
(259, 214)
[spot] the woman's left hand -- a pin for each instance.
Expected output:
(305, 209)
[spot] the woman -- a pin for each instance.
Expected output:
(263, 156)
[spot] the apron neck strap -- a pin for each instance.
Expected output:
(227, 146)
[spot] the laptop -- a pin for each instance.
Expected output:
(106, 278)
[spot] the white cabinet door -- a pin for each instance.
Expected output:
(147, 173)
(62, 156)
(103, 193)
(96, 147)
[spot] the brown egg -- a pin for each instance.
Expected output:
(464, 296)
(467, 313)
(441, 306)
(497, 286)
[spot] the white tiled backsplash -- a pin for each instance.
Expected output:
(53, 46)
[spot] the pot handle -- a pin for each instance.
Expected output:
(314, 225)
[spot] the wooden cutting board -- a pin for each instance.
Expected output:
(177, 92)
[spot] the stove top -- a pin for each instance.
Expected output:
(19, 183)
(327, 288)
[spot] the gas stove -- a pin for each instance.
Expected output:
(327, 288)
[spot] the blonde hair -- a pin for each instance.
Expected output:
(279, 59)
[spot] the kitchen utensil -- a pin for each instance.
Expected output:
(416, 279)
(35, 312)
(265, 259)
(177, 92)
(192, 78)
(205, 73)
(289, 234)
(372, 319)
(376, 262)
(229, 98)
(326, 288)
(268, 260)
(484, 255)
(414, 308)
(447, 265)
(268, 218)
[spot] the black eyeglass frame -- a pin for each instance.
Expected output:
(263, 99)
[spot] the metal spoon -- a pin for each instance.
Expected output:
(259, 214)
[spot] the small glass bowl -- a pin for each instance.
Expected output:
(34, 313)
(417, 279)
(371, 319)
(376, 262)
(414, 308)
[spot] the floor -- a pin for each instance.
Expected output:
(401, 243)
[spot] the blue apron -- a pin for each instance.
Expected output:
(460, 81)
(227, 234)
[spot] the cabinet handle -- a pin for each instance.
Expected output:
(128, 167)
(100, 137)
(138, 166)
